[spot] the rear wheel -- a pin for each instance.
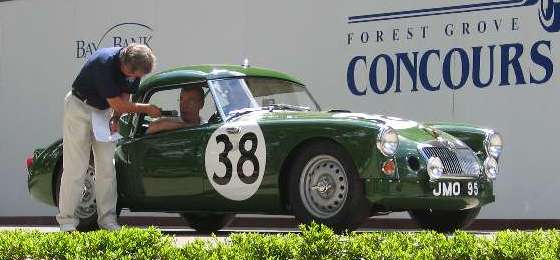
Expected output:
(87, 207)
(207, 223)
(442, 220)
(324, 187)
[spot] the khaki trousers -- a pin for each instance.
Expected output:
(78, 142)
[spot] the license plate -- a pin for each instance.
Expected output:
(455, 188)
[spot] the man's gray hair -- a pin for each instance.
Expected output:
(138, 57)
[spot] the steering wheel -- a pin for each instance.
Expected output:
(146, 120)
(169, 113)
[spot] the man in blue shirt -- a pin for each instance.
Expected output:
(103, 85)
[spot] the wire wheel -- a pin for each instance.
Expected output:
(88, 205)
(323, 186)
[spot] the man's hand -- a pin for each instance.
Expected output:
(123, 106)
(114, 125)
(153, 111)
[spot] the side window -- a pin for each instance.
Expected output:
(166, 99)
(177, 100)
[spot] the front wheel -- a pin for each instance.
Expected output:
(208, 223)
(324, 187)
(442, 220)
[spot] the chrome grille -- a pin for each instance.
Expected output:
(461, 161)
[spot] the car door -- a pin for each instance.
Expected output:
(165, 170)
(162, 171)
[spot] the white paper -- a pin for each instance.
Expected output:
(100, 123)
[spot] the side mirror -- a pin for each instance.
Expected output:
(125, 123)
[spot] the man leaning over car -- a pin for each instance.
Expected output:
(104, 83)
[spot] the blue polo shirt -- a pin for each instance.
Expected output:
(101, 78)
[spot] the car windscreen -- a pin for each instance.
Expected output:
(245, 94)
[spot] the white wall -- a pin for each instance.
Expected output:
(305, 38)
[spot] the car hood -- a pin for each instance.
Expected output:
(408, 130)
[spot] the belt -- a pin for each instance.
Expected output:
(83, 98)
(79, 96)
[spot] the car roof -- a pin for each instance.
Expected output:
(201, 73)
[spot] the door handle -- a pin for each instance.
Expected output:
(232, 130)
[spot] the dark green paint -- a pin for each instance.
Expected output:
(41, 174)
(165, 172)
(198, 73)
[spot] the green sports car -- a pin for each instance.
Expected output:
(266, 147)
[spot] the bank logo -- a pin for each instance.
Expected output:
(120, 35)
(549, 12)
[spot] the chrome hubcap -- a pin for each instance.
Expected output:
(323, 186)
(87, 206)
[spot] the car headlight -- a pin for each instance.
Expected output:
(435, 168)
(491, 167)
(387, 141)
(493, 144)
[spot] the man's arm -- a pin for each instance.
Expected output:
(114, 122)
(124, 106)
(165, 124)
(126, 97)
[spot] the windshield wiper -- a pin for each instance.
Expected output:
(288, 107)
(240, 112)
(243, 111)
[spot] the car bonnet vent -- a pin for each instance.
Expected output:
(339, 111)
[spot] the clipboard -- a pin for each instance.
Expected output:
(100, 124)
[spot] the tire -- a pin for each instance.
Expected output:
(87, 208)
(324, 187)
(444, 221)
(208, 223)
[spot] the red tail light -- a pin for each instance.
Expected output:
(29, 161)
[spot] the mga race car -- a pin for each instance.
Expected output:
(267, 148)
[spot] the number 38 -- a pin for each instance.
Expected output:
(246, 155)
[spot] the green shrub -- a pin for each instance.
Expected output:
(125, 244)
(314, 242)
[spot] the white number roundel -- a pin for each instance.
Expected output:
(235, 159)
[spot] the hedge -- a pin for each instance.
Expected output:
(313, 242)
